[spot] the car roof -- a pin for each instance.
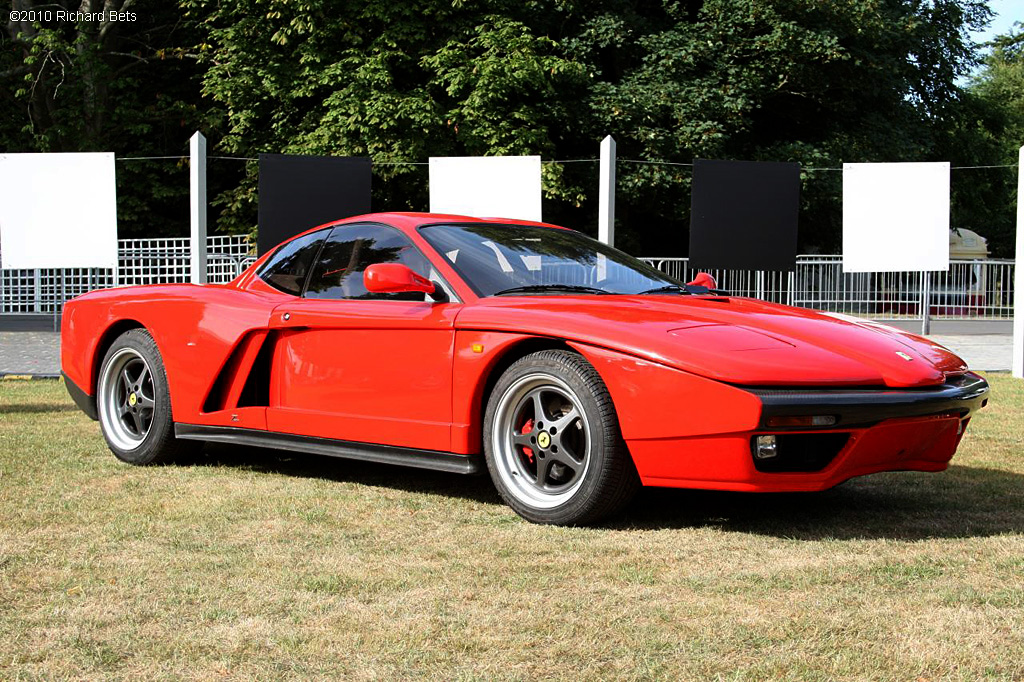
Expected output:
(411, 220)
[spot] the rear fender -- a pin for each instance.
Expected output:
(195, 328)
(85, 338)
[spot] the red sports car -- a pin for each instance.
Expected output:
(576, 372)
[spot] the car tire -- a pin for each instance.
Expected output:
(133, 401)
(552, 441)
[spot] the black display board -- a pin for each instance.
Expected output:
(744, 215)
(300, 192)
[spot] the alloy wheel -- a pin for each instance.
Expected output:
(542, 440)
(127, 399)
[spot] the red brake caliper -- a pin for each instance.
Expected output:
(527, 428)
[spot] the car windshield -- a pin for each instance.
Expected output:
(513, 259)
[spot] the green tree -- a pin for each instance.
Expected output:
(799, 80)
(988, 132)
(1001, 82)
(819, 83)
(392, 81)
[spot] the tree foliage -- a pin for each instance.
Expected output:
(818, 83)
(798, 80)
(1001, 83)
(988, 133)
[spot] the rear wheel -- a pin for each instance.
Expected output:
(552, 441)
(133, 401)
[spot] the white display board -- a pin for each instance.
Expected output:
(895, 217)
(486, 186)
(58, 211)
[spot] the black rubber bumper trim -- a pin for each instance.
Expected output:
(86, 403)
(859, 407)
(384, 454)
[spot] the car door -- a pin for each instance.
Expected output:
(359, 366)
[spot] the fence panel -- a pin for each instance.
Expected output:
(139, 261)
(970, 289)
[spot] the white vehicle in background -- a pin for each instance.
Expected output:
(963, 289)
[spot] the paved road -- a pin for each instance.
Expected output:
(30, 353)
(990, 352)
(34, 352)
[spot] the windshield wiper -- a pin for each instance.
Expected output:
(530, 288)
(668, 289)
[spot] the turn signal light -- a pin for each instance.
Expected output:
(819, 420)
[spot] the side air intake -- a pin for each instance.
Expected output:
(244, 381)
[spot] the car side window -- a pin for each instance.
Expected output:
(350, 249)
(287, 269)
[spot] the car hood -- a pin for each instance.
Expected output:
(735, 340)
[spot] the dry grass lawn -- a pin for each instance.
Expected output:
(249, 564)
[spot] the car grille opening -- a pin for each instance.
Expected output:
(800, 452)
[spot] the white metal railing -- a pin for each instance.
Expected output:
(140, 261)
(970, 289)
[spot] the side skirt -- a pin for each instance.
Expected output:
(369, 452)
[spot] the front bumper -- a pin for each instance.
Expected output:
(963, 394)
(877, 430)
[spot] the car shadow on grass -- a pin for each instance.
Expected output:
(960, 502)
(301, 465)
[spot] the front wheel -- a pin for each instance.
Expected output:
(552, 441)
(134, 403)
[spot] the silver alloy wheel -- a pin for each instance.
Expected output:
(126, 399)
(541, 441)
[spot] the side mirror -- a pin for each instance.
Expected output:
(394, 278)
(704, 280)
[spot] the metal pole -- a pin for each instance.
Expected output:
(197, 194)
(926, 318)
(1018, 286)
(606, 193)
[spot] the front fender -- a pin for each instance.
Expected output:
(655, 401)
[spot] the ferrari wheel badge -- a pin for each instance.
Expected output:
(132, 400)
(543, 439)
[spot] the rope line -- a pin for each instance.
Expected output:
(147, 158)
(545, 161)
(655, 163)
